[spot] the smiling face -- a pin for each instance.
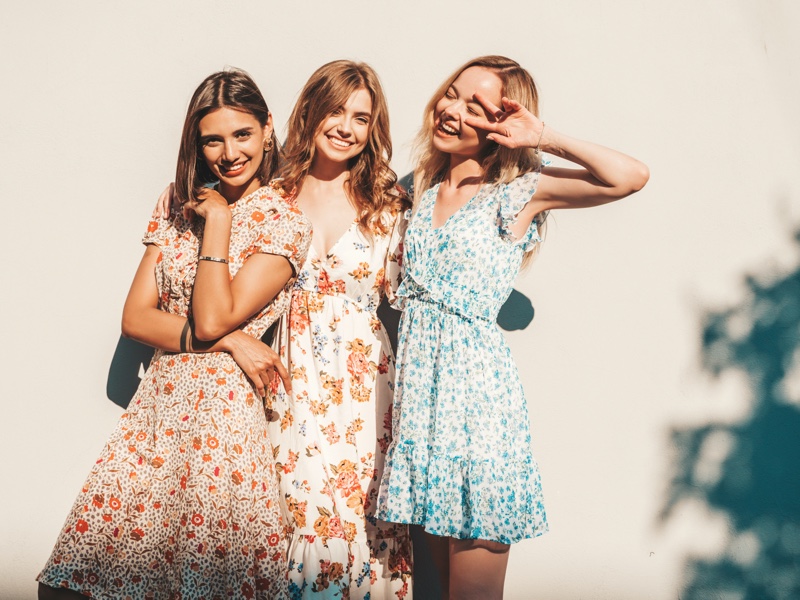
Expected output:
(450, 134)
(232, 144)
(344, 133)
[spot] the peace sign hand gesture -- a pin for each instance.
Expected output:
(514, 125)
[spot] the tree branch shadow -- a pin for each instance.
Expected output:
(758, 482)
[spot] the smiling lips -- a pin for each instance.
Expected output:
(446, 129)
(232, 170)
(340, 143)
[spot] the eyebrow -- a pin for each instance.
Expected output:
(211, 136)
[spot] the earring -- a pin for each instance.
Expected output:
(268, 144)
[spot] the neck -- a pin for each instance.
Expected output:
(233, 193)
(328, 171)
(463, 170)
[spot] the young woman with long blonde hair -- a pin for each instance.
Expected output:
(460, 462)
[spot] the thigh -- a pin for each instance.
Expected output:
(477, 569)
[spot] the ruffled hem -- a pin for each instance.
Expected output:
(495, 499)
(335, 568)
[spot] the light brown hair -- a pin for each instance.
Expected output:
(371, 185)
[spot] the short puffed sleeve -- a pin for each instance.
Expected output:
(285, 231)
(393, 264)
(513, 198)
(159, 232)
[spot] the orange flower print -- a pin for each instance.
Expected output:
(347, 482)
(257, 216)
(354, 427)
(357, 363)
(98, 500)
(114, 503)
(212, 442)
(360, 272)
(328, 287)
(330, 433)
(237, 477)
(81, 526)
(273, 539)
(334, 387)
(197, 519)
(152, 226)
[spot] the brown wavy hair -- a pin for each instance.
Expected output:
(499, 164)
(372, 183)
(232, 88)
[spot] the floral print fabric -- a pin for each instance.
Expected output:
(182, 502)
(460, 463)
(332, 434)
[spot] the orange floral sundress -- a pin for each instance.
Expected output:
(183, 500)
(332, 433)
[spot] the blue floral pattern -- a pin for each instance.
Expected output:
(460, 461)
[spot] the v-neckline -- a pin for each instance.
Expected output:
(457, 211)
(335, 244)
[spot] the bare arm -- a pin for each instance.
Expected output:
(143, 321)
(605, 175)
(220, 304)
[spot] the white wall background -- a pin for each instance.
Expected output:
(703, 91)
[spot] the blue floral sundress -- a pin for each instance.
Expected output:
(460, 462)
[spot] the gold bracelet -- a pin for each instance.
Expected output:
(539, 143)
(213, 259)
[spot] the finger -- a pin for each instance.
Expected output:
(481, 123)
(512, 105)
(253, 374)
(265, 377)
(489, 106)
(284, 375)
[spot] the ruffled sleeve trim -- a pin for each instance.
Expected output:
(513, 198)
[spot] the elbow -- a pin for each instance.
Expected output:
(129, 329)
(207, 331)
(639, 177)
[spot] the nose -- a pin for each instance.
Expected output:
(451, 110)
(230, 151)
(344, 127)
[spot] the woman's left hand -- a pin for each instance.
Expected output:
(514, 125)
(207, 201)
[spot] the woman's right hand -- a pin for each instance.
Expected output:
(258, 361)
(164, 202)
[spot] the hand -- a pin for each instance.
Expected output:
(165, 200)
(207, 201)
(258, 361)
(515, 126)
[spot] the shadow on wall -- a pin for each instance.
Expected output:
(750, 471)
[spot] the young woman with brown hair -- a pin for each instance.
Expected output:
(183, 502)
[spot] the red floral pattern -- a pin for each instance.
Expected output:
(182, 502)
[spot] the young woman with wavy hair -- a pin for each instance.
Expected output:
(460, 462)
(333, 429)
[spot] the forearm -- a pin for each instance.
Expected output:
(165, 331)
(212, 299)
(622, 174)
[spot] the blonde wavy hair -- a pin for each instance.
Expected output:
(499, 164)
(372, 183)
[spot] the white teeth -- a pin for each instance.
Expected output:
(447, 129)
(235, 168)
(340, 143)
